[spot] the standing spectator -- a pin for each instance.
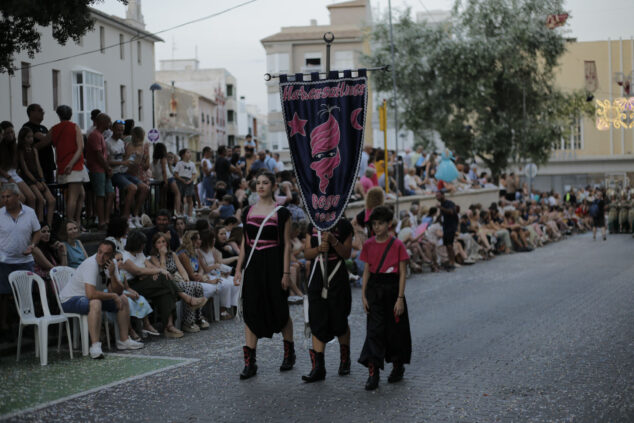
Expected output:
(279, 164)
(206, 170)
(34, 175)
(449, 226)
(119, 163)
(597, 211)
(85, 294)
(42, 142)
(100, 170)
(69, 149)
(184, 175)
(138, 157)
(20, 233)
(9, 164)
(270, 162)
(365, 158)
(259, 163)
(162, 171)
(224, 168)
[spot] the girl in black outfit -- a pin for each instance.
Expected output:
(329, 316)
(266, 276)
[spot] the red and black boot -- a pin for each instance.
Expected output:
(344, 361)
(289, 356)
(250, 368)
(373, 379)
(319, 367)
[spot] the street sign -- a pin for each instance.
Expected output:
(530, 170)
(153, 135)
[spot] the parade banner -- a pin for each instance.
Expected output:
(324, 122)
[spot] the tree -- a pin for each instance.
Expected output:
(20, 21)
(484, 80)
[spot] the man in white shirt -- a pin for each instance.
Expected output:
(85, 294)
(279, 164)
(19, 234)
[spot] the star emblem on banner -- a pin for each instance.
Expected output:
(297, 125)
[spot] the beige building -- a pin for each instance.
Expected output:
(302, 49)
(185, 119)
(216, 84)
(594, 152)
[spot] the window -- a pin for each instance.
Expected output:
(229, 115)
(277, 63)
(140, 105)
(231, 140)
(138, 49)
(312, 62)
(344, 60)
(122, 96)
(202, 118)
(574, 140)
(207, 119)
(121, 47)
(102, 39)
(275, 104)
(56, 83)
(88, 90)
(229, 90)
(26, 82)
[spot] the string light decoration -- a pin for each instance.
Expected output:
(618, 114)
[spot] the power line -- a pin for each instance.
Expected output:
(142, 36)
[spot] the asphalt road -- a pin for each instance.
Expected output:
(542, 336)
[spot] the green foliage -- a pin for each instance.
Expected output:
(21, 21)
(484, 80)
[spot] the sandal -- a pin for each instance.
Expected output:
(193, 305)
(172, 332)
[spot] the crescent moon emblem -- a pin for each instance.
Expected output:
(353, 119)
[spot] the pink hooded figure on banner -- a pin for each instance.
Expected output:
(324, 142)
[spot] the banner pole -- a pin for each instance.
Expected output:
(387, 178)
(395, 106)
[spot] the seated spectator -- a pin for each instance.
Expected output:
(211, 262)
(180, 225)
(234, 233)
(226, 209)
(117, 232)
(48, 254)
(75, 251)
(411, 242)
(33, 175)
(162, 225)
(297, 213)
(85, 294)
(9, 165)
(240, 192)
(223, 245)
(139, 307)
(162, 257)
(155, 283)
(162, 172)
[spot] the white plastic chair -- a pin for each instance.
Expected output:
(21, 282)
(61, 275)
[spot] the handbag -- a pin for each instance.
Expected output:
(240, 312)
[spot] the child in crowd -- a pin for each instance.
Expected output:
(226, 209)
(184, 174)
(388, 335)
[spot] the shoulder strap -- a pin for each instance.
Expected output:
(257, 237)
(387, 248)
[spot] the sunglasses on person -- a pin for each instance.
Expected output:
(122, 122)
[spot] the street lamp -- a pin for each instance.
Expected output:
(154, 87)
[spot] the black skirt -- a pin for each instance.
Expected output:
(386, 338)
(265, 303)
(329, 317)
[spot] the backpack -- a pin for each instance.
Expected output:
(594, 209)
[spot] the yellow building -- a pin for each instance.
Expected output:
(604, 69)
(302, 49)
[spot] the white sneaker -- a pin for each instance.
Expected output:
(95, 350)
(132, 223)
(137, 220)
(129, 344)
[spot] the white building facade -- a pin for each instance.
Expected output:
(112, 70)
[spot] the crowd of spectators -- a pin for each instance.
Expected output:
(188, 250)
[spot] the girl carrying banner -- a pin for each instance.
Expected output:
(265, 255)
(328, 316)
(388, 336)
